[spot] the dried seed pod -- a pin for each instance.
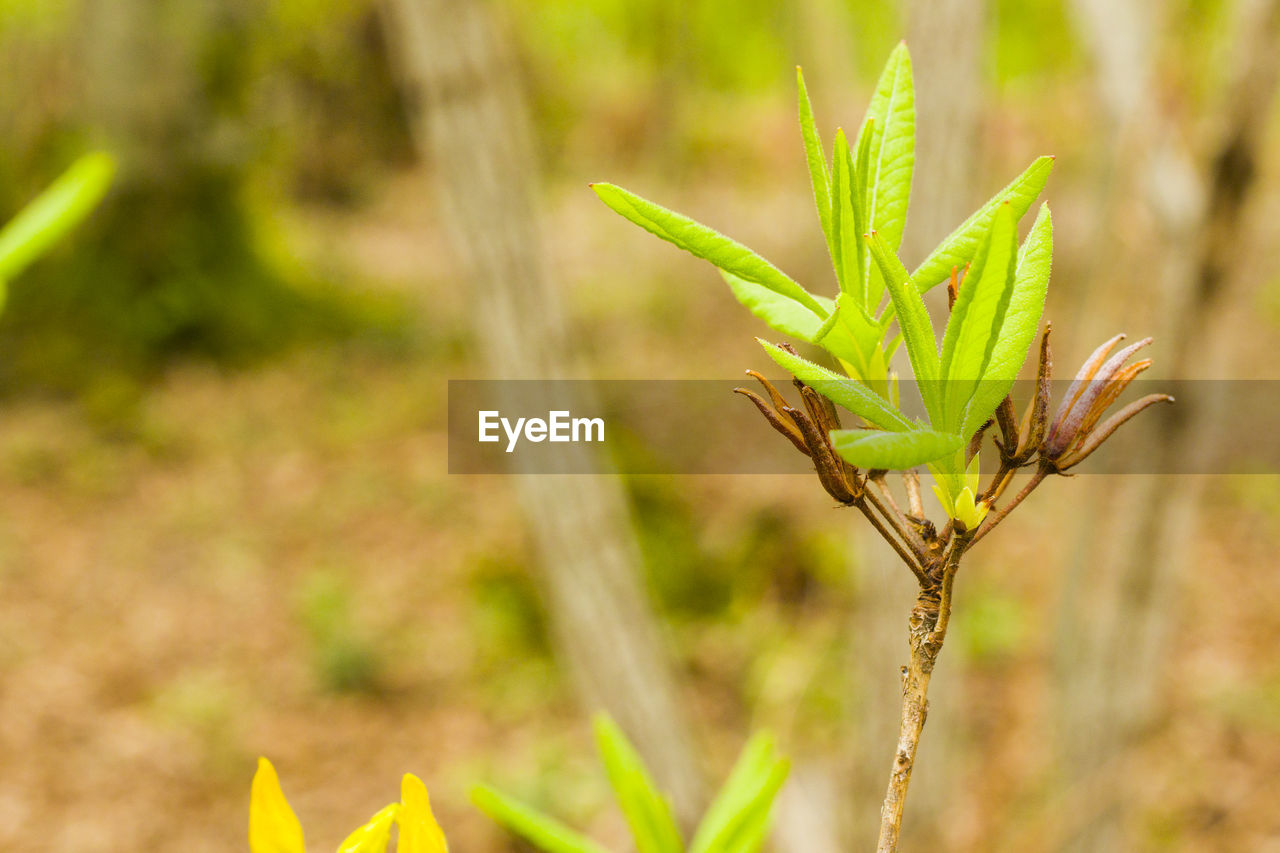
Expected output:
(781, 422)
(1100, 382)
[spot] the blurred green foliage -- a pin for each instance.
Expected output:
(696, 574)
(241, 108)
(736, 822)
(215, 111)
(344, 657)
(202, 705)
(991, 626)
(507, 617)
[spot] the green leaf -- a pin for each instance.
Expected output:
(646, 810)
(893, 451)
(747, 823)
(781, 312)
(541, 831)
(54, 212)
(873, 282)
(854, 340)
(861, 328)
(844, 223)
(913, 320)
(840, 390)
(705, 243)
(958, 249)
(817, 160)
(1021, 321)
(977, 316)
(737, 820)
(893, 147)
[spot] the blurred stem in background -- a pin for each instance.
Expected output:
(1121, 598)
(471, 123)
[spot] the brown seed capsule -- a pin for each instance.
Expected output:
(1100, 382)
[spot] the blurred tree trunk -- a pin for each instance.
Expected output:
(946, 39)
(1121, 599)
(471, 121)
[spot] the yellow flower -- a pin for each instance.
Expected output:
(419, 832)
(274, 828)
(372, 837)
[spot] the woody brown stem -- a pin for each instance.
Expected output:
(887, 535)
(899, 523)
(911, 482)
(926, 632)
(950, 565)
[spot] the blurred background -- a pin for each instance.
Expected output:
(228, 529)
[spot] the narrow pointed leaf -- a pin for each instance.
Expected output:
(844, 222)
(753, 775)
(840, 390)
(705, 243)
(873, 282)
(893, 451)
(54, 212)
(1021, 321)
(892, 148)
(977, 316)
(545, 833)
(913, 320)
(960, 246)
(819, 177)
(747, 820)
(646, 810)
(782, 313)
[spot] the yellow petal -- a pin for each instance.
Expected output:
(273, 827)
(419, 832)
(373, 836)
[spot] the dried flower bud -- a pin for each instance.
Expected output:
(808, 429)
(1100, 382)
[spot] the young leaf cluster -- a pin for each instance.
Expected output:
(736, 822)
(862, 195)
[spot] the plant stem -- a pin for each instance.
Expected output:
(886, 535)
(927, 629)
(1036, 479)
(895, 518)
(911, 482)
(915, 707)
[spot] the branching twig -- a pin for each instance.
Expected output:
(895, 518)
(1036, 479)
(912, 562)
(911, 482)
